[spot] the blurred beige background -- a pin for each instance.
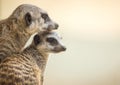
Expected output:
(91, 32)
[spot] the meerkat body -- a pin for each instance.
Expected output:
(19, 70)
(28, 67)
(25, 21)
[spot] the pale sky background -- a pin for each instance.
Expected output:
(91, 33)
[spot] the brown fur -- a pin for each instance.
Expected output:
(20, 70)
(14, 32)
(16, 21)
(28, 67)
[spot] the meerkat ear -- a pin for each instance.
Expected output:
(37, 39)
(28, 19)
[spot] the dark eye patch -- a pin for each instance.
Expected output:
(45, 16)
(52, 41)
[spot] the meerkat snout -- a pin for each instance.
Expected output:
(49, 24)
(63, 48)
(54, 25)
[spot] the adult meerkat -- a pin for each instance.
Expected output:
(25, 21)
(28, 67)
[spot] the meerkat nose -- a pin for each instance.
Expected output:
(56, 26)
(64, 48)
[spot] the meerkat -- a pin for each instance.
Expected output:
(28, 67)
(23, 23)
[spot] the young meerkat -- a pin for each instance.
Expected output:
(24, 22)
(28, 67)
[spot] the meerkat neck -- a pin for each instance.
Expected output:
(20, 39)
(39, 58)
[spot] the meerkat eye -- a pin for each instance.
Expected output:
(52, 41)
(44, 16)
(28, 19)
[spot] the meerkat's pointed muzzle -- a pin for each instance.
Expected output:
(56, 26)
(63, 48)
(51, 26)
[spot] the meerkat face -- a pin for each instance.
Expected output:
(49, 42)
(33, 18)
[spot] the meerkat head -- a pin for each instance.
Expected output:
(32, 19)
(48, 42)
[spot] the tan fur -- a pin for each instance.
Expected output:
(19, 70)
(16, 21)
(28, 67)
(14, 32)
